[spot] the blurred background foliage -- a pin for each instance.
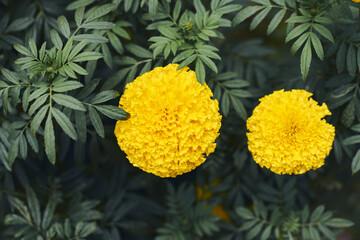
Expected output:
(64, 65)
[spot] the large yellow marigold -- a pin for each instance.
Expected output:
(173, 121)
(287, 132)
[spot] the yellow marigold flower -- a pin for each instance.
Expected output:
(287, 132)
(357, 1)
(173, 121)
(221, 213)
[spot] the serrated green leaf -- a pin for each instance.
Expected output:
(339, 223)
(259, 17)
(317, 45)
(49, 139)
(274, 23)
(200, 71)
(23, 50)
(38, 118)
(113, 112)
(34, 205)
(13, 151)
(209, 63)
(38, 103)
(101, 11)
(64, 26)
(305, 60)
(96, 122)
(68, 101)
(99, 25)
(246, 13)
(324, 32)
(355, 165)
(79, 14)
(297, 31)
(64, 123)
(56, 39)
(105, 96)
(91, 38)
(87, 56)
(66, 86)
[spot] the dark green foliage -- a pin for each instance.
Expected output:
(64, 65)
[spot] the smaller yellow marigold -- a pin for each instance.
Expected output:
(357, 1)
(173, 121)
(221, 213)
(287, 132)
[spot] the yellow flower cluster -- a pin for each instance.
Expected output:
(287, 132)
(357, 1)
(173, 121)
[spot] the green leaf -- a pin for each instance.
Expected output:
(351, 60)
(101, 11)
(168, 32)
(266, 233)
(352, 140)
(115, 42)
(305, 60)
(105, 96)
(187, 61)
(23, 146)
(56, 39)
(91, 38)
(33, 48)
(209, 63)
(326, 231)
(317, 45)
(254, 231)
(68, 101)
(275, 21)
(66, 50)
(341, 57)
(66, 86)
(13, 151)
(339, 223)
(49, 212)
(23, 50)
(42, 52)
(80, 119)
(245, 13)
(77, 68)
(139, 51)
(20, 24)
(87, 56)
(38, 103)
(317, 213)
(34, 205)
(107, 55)
(113, 112)
(13, 219)
(79, 4)
(239, 107)
(177, 10)
(25, 99)
(244, 213)
(324, 32)
(200, 71)
(64, 26)
(78, 47)
(79, 14)
(259, 17)
(183, 55)
(99, 25)
(32, 139)
(96, 122)
(64, 123)
(297, 31)
(355, 165)
(10, 76)
(38, 118)
(152, 8)
(49, 139)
